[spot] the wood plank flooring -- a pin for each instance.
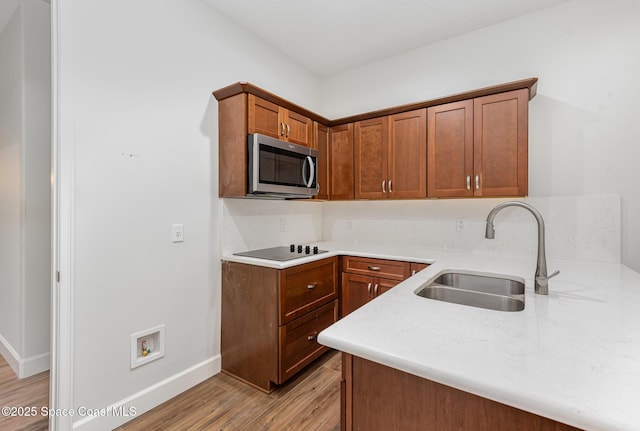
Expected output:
(310, 402)
(29, 392)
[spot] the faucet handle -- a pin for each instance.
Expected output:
(543, 279)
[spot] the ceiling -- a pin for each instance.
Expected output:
(329, 36)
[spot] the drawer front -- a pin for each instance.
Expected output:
(299, 346)
(306, 287)
(390, 269)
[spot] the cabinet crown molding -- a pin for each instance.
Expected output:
(247, 87)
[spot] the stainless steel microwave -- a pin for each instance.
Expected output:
(280, 169)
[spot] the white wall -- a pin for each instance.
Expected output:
(581, 227)
(138, 113)
(25, 184)
(583, 134)
(252, 224)
(11, 189)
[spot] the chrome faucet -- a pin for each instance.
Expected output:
(541, 278)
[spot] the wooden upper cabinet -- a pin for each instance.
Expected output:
(298, 128)
(450, 148)
(500, 144)
(371, 157)
(321, 143)
(391, 156)
(341, 162)
(479, 147)
(273, 120)
(408, 155)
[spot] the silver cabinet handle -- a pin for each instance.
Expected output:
(374, 268)
(413, 272)
(311, 337)
(384, 188)
(375, 290)
(468, 182)
(312, 286)
(477, 182)
(390, 191)
(288, 130)
(369, 289)
(281, 129)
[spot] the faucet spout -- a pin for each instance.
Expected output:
(541, 279)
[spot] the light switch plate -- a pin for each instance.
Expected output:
(177, 233)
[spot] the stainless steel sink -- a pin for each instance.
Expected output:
(483, 291)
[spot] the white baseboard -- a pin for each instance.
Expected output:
(24, 367)
(123, 411)
(10, 355)
(35, 365)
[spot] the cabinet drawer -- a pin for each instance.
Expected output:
(390, 269)
(298, 339)
(305, 287)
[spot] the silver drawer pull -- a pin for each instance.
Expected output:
(369, 289)
(374, 268)
(375, 290)
(413, 272)
(468, 182)
(312, 286)
(311, 337)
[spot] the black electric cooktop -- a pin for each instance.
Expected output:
(283, 253)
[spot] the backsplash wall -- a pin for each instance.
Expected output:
(583, 227)
(251, 224)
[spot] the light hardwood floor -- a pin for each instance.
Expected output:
(309, 402)
(30, 392)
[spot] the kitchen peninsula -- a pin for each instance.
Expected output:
(570, 356)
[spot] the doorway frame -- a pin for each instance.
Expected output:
(62, 228)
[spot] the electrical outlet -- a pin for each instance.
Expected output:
(460, 225)
(349, 224)
(283, 224)
(177, 233)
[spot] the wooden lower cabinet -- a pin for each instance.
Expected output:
(365, 278)
(376, 397)
(357, 290)
(271, 318)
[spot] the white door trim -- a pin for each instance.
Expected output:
(62, 172)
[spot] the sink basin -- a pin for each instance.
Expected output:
(483, 291)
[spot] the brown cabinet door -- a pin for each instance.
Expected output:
(357, 290)
(408, 155)
(341, 162)
(501, 144)
(382, 285)
(265, 118)
(370, 159)
(298, 128)
(417, 267)
(450, 150)
(321, 143)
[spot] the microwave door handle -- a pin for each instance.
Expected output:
(312, 171)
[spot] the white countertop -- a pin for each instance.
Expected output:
(572, 356)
